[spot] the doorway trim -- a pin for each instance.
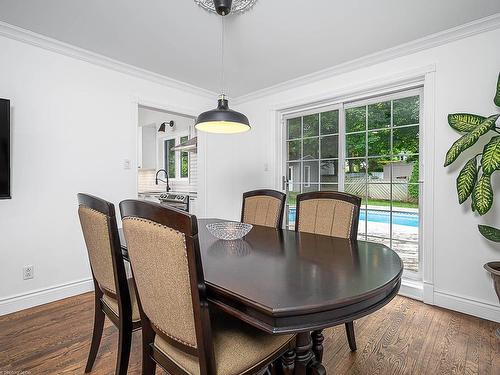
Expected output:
(138, 101)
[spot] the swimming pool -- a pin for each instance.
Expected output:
(408, 219)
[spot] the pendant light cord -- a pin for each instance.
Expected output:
(222, 55)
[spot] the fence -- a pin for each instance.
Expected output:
(378, 190)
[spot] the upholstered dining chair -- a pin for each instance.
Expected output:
(329, 213)
(263, 207)
(114, 292)
(179, 330)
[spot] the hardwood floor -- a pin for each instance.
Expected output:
(405, 337)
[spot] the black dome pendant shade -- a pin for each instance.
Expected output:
(222, 119)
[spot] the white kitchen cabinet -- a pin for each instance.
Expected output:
(147, 147)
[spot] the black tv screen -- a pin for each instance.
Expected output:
(4, 148)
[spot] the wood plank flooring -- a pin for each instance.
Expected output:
(404, 337)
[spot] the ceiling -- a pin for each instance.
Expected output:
(277, 40)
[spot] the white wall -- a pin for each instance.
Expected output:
(466, 73)
(73, 125)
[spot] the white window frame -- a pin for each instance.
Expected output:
(356, 101)
(307, 176)
(383, 83)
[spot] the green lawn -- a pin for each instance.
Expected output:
(292, 201)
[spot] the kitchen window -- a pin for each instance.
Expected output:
(176, 162)
(169, 163)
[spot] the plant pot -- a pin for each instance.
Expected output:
(494, 269)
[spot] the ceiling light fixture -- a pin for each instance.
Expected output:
(238, 6)
(222, 119)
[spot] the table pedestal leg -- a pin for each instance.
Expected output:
(305, 362)
(288, 362)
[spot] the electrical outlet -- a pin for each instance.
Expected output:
(28, 272)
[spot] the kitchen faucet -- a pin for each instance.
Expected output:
(158, 179)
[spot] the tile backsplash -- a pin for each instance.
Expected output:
(146, 179)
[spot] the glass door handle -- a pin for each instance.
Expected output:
(285, 183)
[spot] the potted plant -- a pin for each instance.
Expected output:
(474, 180)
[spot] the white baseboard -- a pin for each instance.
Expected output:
(425, 292)
(411, 289)
(481, 309)
(42, 296)
(428, 293)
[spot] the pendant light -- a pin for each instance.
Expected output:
(222, 119)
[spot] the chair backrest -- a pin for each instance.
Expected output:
(263, 207)
(328, 213)
(100, 231)
(164, 253)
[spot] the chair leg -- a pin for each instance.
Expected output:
(96, 336)
(148, 365)
(148, 335)
(124, 342)
(351, 338)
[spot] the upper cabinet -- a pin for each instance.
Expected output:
(147, 147)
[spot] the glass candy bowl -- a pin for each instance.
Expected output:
(229, 230)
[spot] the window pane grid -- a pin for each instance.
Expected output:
(312, 144)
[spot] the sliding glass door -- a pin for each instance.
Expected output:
(369, 148)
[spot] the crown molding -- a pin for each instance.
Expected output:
(29, 37)
(460, 32)
(443, 37)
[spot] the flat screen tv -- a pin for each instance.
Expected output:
(4, 148)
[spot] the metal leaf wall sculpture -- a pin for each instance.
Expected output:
(475, 180)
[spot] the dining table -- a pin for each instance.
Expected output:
(281, 282)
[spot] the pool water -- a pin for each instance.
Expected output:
(398, 218)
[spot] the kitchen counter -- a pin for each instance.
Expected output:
(158, 192)
(154, 196)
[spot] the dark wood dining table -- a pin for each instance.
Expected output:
(281, 282)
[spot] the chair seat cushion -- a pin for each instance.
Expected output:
(113, 303)
(237, 347)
